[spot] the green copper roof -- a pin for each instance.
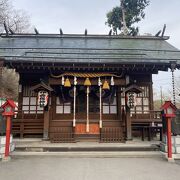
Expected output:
(87, 49)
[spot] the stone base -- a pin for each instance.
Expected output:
(11, 148)
(2, 145)
(45, 139)
(6, 159)
(3, 140)
(175, 139)
(175, 144)
(163, 148)
(170, 160)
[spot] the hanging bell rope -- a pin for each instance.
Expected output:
(173, 86)
(74, 113)
(100, 102)
(87, 75)
(87, 120)
(112, 81)
(62, 81)
(173, 67)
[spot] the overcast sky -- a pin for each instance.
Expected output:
(73, 16)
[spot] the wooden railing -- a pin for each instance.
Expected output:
(146, 117)
(21, 114)
(112, 134)
(62, 134)
(32, 124)
(27, 124)
(146, 124)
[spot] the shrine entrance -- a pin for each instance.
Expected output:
(87, 111)
(86, 107)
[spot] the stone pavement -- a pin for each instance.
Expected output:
(58, 168)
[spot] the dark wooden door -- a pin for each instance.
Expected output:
(81, 112)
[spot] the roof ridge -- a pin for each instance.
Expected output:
(29, 35)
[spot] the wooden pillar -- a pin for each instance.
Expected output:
(46, 119)
(151, 104)
(20, 93)
(46, 123)
(128, 121)
(119, 108)
(20, 114)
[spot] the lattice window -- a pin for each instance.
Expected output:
(62, 108)
(30, 106)
(110, 108)
(142, 105)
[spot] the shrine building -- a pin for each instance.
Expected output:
(85, 87)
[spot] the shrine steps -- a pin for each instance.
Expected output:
(84, 147)
(93, 154)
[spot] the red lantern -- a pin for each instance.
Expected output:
(8, 108)
(169, 109)
(169, 113)
(8, 111)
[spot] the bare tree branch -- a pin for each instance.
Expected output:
(17, 20)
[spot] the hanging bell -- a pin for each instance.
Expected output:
(67, 83)
(87, 82)
(106, 85)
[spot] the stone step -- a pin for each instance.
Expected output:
(85, 149)
(94, 154)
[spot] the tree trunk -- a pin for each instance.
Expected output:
(124, 28)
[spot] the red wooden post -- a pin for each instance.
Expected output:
(8, 132)
(169, 143)
(169, 113)
(8, 107)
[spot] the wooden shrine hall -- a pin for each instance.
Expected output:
(85, 87)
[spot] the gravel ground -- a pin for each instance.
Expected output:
(57, 168)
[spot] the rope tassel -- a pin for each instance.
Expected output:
(74, 113)
(100, 102)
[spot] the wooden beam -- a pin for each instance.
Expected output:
(45, 66)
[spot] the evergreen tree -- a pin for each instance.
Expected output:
(124, 16)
